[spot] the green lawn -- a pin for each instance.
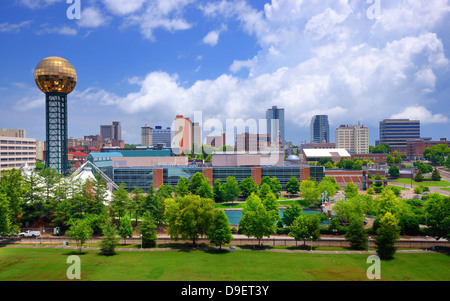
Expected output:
(425, 183)
(243, 265)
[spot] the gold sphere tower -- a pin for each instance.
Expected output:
(57, 78)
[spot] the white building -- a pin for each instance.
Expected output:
(15, 152)
(355, 139)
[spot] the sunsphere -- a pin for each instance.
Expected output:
(55, 74)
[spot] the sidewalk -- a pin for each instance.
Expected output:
(223, 249)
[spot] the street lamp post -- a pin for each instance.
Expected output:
(368, 243)
(311, 243)
(141, 241)
(426, 243)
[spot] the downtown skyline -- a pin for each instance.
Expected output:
(144, 62)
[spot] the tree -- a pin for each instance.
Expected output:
(437, 212)
(270, 203)
(394, 171)
(398, 159)
(230, 189)
(148, 231)
(355, 234)
(188, 217)
(328, 185)
(425, 168)
(80, 230)
(309, 191)
(380, 149)
(182, 187)
(447, 162)
(351, 190)
(275, 186)
(218, 191)
(329, 165)
(358, 205)
(409, 224)
(120, 199)
(335, 224)
(387, 234)
(436, 154)
(220, 231)
(378, 184)
(247, 187)
(256, 220)
(33, 198)
(100, 196)
(389, 202)
(110, 240)
(273, 183)
(436, 176)
(125, 229)
(12, 186)
(196, 181)
(205, 191)
(305, 227)
(137, 202)
(293, 186)
(5, 223)
(419, 176)
(264, 190)
(290, 214)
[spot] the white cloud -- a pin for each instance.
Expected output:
(14, 28)
(34, 4)
(238, 65)
(212, 38)
(421, 113)
(123, 7)
(92, 17)
(408, 16)
(360, 84)
(165, 14)
(63, 30)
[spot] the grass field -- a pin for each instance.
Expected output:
(244, 265)
(441, 183)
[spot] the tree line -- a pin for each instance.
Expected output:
(83, 209)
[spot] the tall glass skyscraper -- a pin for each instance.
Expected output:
(320, 129)
(275, 125)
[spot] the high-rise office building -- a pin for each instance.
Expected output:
(15, 151)
(146, 136)
(396, 132)
(182, 134)
(19, 133)
(252, 143)
(161, 136)
(111, 132)
(197, 137)
(355, 139)
(275, 125)
(215, 141)
(320, 129)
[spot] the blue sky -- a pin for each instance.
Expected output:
(145, 61)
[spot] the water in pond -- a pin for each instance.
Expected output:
(234, 216)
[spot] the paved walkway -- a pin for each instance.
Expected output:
(249, 248)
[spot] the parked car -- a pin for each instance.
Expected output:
(30, 233)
